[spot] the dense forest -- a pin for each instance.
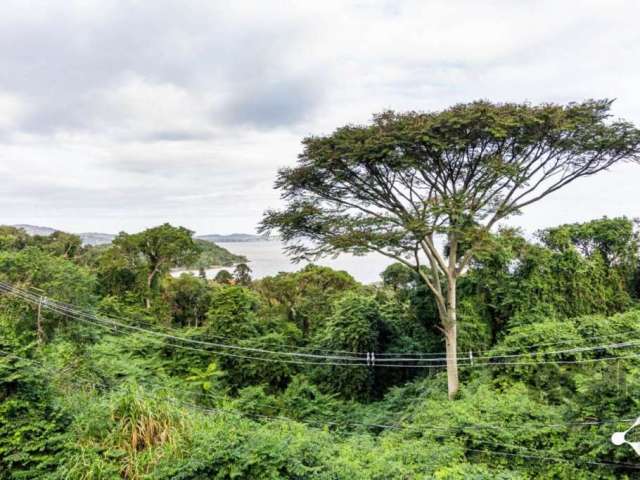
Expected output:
(112, 368)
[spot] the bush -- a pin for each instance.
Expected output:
(355, 327)
(33, 430)
(51, 276)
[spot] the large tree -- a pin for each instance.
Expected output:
(426, 188)
(242, 274)
(161, 247)
(306, 296)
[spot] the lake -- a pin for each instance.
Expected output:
(268, 258)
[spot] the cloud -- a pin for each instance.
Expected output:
(152, 111)
(118, 114)
(13, 109)
(138, 51)
(273, 104)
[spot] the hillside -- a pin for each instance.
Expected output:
(214, 256)
(35, 229)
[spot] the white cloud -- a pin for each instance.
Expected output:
(12, 111)
(117, 114)
(140, 109)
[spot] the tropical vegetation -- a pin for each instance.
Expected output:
(111, 367)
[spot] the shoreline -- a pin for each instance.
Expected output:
(176, 272)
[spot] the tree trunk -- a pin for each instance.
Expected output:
(150, 278)
(446, 301)
(451, 344)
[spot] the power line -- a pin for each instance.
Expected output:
(556, 459)
(75, 313)
(200, 350)
(310, 424)
(530, 456)
(224, 337)
(355, 356)
(359, 356)
(364, 424)
(105, 322)
(312, 359)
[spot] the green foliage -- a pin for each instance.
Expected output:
(517, 282)
(119, 274)
(232, 312)
(233, 318)
(121, 308)
(125, 436)
(608, 382)
(189, 299)
(433, 185)
(163, 247)
(32, 428)
(356, 327)
(398, 276)
(475, 329)
(117, 359)
(272, 370)
(104, 403)
(306, 296)
(59, 243)
(206, 379)
(211, 255)
(223, 277)
(466, 471)
(53, 276)
(143, 422)
(247, 450)
(303, 400)
(49, 276)
(613, 238)
(242, 274)
(12, 238)
(160, 248)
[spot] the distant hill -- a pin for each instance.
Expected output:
(214, 256)
(35, 230)
(236, 237)
(88, 238)
(96, 238)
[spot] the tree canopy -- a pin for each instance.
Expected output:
(242, 274)
(416, 186)
(388, 185)
(162, 248)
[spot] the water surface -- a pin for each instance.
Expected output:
(268, 258)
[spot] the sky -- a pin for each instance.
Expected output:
(121, 115)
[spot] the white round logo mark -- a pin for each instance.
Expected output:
(618, 438)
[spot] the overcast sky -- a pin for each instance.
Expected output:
(119, 115)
